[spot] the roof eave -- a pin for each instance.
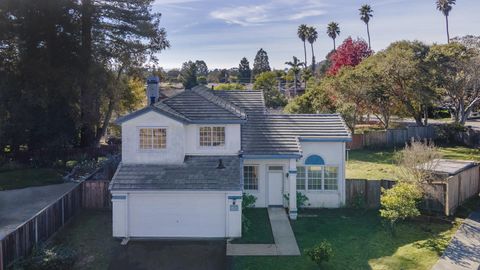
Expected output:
(145, 110)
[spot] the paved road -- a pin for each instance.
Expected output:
(463, 252)
(19, 205)
(170, 255)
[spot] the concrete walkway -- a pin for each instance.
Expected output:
(19, 205)
(285, 242)
(463, 252)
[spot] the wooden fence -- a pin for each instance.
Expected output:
(442, 196)
(390, 137)
(20, 242)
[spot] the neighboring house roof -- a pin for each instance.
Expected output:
(196, 173)
(279, 134)
(449, 167)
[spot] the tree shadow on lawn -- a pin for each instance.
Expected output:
(359, 240)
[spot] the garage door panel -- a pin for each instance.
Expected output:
(177, 215)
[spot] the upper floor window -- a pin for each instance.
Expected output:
(212, 136)
(152, 138)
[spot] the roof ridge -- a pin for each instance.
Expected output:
(205, 93)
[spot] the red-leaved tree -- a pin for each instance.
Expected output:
(350, 53)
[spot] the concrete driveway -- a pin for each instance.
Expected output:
(19, 205)
(171, 255)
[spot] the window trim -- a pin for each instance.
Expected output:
(323, 190)
(155, 150)
(212, 146)
(258, 177)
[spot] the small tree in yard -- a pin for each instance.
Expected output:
(416, 164)
(320, 253)
(399, 203)
(248, 201)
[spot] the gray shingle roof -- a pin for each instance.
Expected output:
(199, 105)
(279, 134)
(196, 173)
(249, 100)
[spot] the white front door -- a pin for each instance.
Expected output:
(275, 185)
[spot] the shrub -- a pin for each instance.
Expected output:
(447, 133)
(302, 199)
(248, 201)
(320, 253)
(399, 203)
(55, 258)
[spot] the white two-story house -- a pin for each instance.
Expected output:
(187, 159)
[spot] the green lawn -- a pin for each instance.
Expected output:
(89, 234)
(21, 178)
(380, 164)
(260, 230)
(360, 242)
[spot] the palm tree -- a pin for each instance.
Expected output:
(333, 30)
(445, 6)
(312, 37)
(295, 67)
(365, 15)
(302, 33)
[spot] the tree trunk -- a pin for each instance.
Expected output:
(425, 115)
(334, 47)
(313, 58)
(448, 32)
(368, 34)
(87, 131)
(106, 122)
(295, 84)
(305, 52)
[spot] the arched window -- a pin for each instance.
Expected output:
(316, 175)
(314, 160)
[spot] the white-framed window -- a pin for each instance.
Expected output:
(212, 136)
(250, 177)
(152, 138)
(317, 177)
(301, 177)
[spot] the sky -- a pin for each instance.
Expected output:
(222, 32)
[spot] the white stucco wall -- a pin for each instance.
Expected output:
(333, 154)
(232, 141)
(181, 140)
(173, 153)
(262, 192)
(151, 216)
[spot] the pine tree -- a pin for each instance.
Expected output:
(188, 75)
(245, 73)
(261, 64)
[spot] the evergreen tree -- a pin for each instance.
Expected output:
(202, 69)
(244, 70)
(260, 64)
(188, 75)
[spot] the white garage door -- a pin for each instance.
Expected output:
(177, 215)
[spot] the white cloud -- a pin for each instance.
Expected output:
(275, 11)
(243, 15)
(306, 13)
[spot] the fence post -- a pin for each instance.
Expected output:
(1, 255)
(36, 230)
(63, 210)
